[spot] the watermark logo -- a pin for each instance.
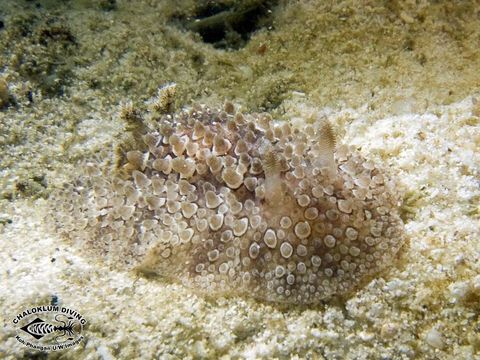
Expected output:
(49, 328)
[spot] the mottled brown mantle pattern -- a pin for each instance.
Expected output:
(239, 204)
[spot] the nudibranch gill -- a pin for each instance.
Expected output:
(232, 203)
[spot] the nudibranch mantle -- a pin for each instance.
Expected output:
(232, 203)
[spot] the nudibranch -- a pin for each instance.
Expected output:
(232, 203)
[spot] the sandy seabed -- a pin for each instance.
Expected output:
(408, 101)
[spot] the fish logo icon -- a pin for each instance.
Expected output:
(38, 328)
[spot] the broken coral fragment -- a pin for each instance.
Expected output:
(239, 204)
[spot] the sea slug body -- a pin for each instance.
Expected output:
(228, 203)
